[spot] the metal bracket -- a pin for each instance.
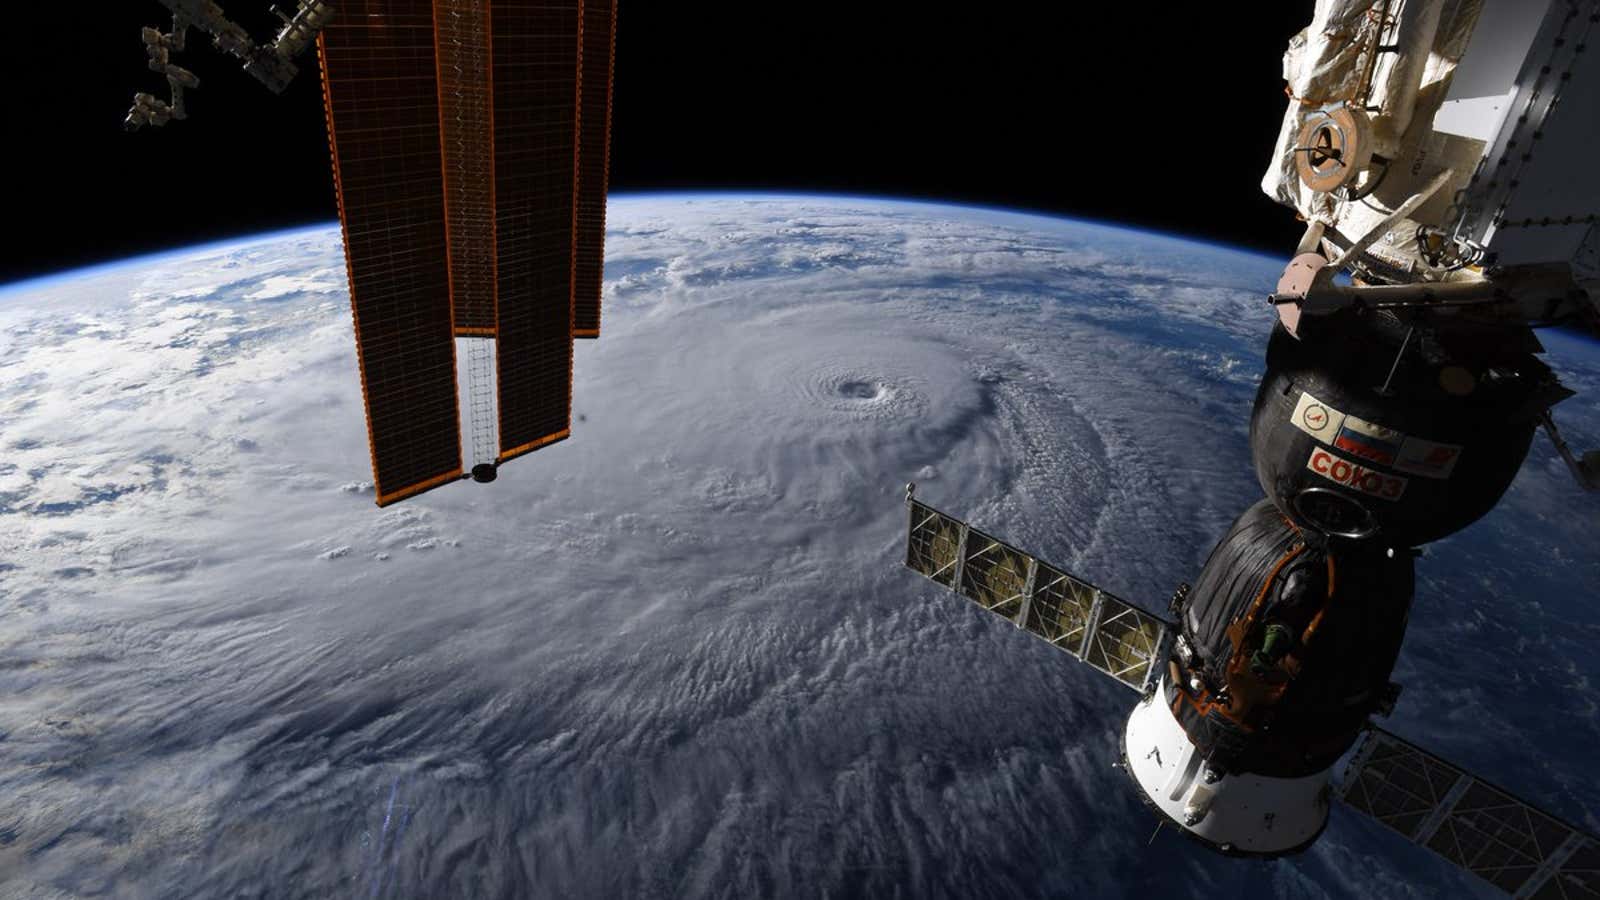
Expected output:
(1585, 470)
(1091, 625)
(1550, 866)
(1354, 251)
(1180, 598)
(1447, 804)
(1388, 699)
(1364, 747)
(1021, 618)
(1158, 656)
(961, 559)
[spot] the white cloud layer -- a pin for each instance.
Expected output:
(675, 655)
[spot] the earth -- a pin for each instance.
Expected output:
(677, 655)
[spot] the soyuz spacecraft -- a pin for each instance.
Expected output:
(470, 143)
(1442, 156)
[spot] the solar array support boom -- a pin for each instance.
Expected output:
(1112, 635)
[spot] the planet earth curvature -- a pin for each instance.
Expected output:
(676, 655)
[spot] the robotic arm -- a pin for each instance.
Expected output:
(272, 64)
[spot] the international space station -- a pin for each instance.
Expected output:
(1441, 155)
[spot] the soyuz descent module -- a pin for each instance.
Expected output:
(1442, 156)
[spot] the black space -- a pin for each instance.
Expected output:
(1160, 115)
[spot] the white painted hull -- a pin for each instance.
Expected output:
(1245, 813)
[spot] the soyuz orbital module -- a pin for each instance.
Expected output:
(1441, 155)
(470, 142)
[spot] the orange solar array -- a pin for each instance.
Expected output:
(594, 158)
(535, 88)
(454, 126)
(381, 99)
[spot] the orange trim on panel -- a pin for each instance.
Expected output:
(531, 446)
(474, 332)
(412, 490)
(349, 273)
(586, 332)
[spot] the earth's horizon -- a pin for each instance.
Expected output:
(676, 655)
(21, 284)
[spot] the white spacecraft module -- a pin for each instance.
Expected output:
(1446, 142)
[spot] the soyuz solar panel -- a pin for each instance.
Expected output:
(1475, 825)
(1114, 636)
(995, 575)
(933, 546)
(1060, 609)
